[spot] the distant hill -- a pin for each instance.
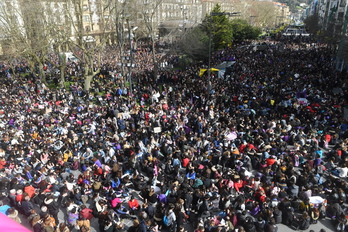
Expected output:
(294, 4)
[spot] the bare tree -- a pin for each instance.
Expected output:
(27, 32)
(149, 12)
(194, 43)
(121, 11)
(266, 14)
(85, 47)
(263, 13)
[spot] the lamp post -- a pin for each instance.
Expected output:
(131, 59)
(130, 64)
(210, 32)
(252, 17)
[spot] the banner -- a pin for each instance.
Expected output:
(202, 70)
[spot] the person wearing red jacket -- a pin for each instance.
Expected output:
(30, 190)
(2, 163)
(19, 196)
(238, 183)
(133, 205)
(270, 161)
(86, 213)
(185, 161)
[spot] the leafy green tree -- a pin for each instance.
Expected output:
(242, 30)
(216, 31)
(217, 26)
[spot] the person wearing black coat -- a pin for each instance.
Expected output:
(271, 226)
(293, 190)
(277, 214)
(53, 206)
(304, 221)
(142, 225)
(188, 200)
(109, 226)
(288, 216)
(27, 206)
(284, 205)
(249, 225)
(149, 209)
(205, 208)
(77, 197)
(334, 210)
(260, 225)
(342, 196)
(241, 218)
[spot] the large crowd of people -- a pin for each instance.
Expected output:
(262, 145)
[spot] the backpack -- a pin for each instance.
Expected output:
(165, 220)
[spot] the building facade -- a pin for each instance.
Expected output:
(94, 18)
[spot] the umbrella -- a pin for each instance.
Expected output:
(232, 136)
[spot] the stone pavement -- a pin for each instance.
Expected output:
(322, 224)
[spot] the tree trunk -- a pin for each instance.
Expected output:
(155, 64)
(123, 72)
(43, 74)
(62, 76)
(88, 80)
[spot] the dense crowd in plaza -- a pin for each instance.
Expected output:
(264, 145)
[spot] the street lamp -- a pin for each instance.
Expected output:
(130, 65)
(252, 17)
(211, 25)
(184, 16)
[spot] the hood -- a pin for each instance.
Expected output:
(48, 201)
(14, 215)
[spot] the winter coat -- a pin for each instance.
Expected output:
(27, 206)
(277, 216)
(15, 217)
(270, 228)
(52, 206)
(304, 223)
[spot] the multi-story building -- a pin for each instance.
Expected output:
(187, 13)
(331, 14)
(332, 21)
(96, 19)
